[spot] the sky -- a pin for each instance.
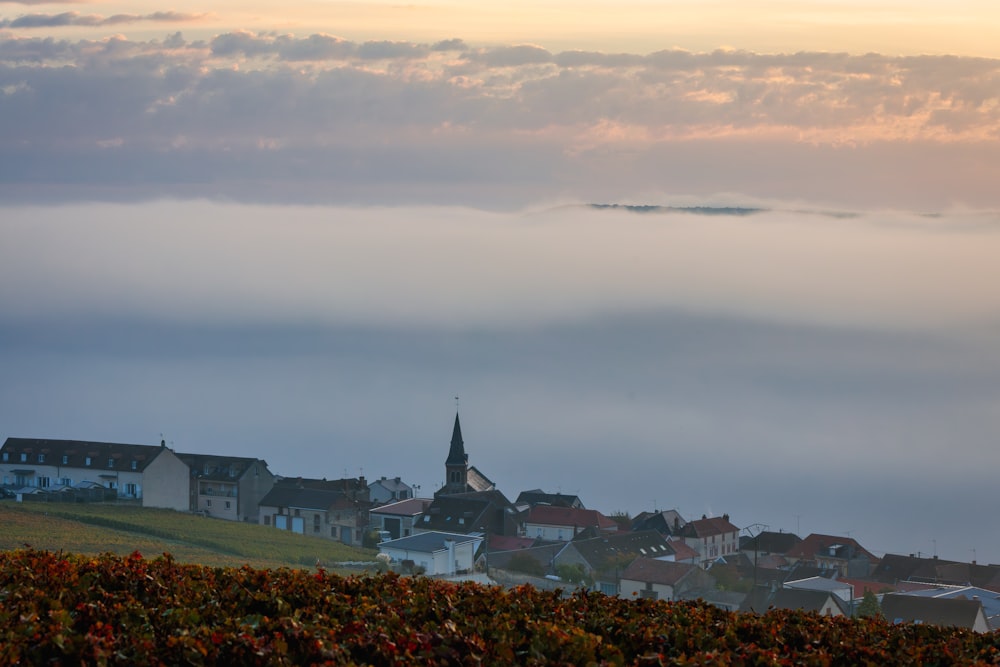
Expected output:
(667, 254)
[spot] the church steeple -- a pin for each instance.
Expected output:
(456, 466)
(457, 455)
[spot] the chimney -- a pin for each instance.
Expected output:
(163, 443)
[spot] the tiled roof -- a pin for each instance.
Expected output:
(307, 499)
(898, 607)
(539, 497)
(768, 542)
(122, 457)
(843, 547)
(648, 570)
(571, 517)
(708, 527)
(207, 466)
(682, 551)
(598, 551)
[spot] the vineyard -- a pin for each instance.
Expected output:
(61, 609)
(98, 528)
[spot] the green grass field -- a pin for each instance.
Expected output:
(98, 528)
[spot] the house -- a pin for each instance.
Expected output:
(460, 477)
(435, 553)
(824, 603)
(831, 552)
(711, 537)
(668, 522)
(959, 613)
(227, 487)
(549, 522)
(664, 580)
(319, 512)
(605, 558)
(150, 475)
(539, 497)
(989, 599)
(399, 518)
(483, 512)
(841, 589)
(894, 568)
(768, 548)
(389, 490)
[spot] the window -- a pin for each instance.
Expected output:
(298, 513)
(65, 459)
(131, 490)
(112, 485)
(267, 519)
(111, 463)
(43, 482)
(24, 457)
(228, 505)
(66, 481)
(41, 458)
(135, 465)
(87, 461)
(208, 503)
(316, 523)
(6, 456)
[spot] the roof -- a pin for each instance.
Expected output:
(769, 542)
(649, 570)
(509, 542)
(549, 515)
(667, 522)
(805, 599)
(894, 568)
(428, 542)
(829, 546)
(539, 497)
(476, 481)
(208, 466)
(303, 498)
(709, 526)
(903, 608)
(122, 456)
(619, 547)
(682, 551)
(456, 454)
(392, 484)
(466, 512)
(408, 507)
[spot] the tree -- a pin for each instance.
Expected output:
(869, 607)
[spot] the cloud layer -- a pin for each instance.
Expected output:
(320, 117)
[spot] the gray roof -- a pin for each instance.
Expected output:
(307, 499)
(428, 542)
(805, 599)
(123, 456)
(220, 468)
(897, 607)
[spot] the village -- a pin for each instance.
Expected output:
(470, 529)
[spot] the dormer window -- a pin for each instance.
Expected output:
(111, 463)
(6, 456)
(41, 458)
(87, 461)
(135, 465)
(24, 457)
(65, 459)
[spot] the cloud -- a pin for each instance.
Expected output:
(77, 19)
(854, 129)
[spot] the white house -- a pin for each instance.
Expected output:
(150, 475)
(434, 552)
(398, 519)
(389, 490)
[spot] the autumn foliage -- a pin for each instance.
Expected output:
(108, 610)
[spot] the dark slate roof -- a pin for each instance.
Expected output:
(390, 483)
(301, 498)
(539, 497)
(845, 548)
(894, 568)
(599, 551)
(220, 468)
(898, 607)
(769, 542)
(428, 542)
(77, 451)
(668, 522)
(543, 553)
(457, 455)
(549, 515)
(805, 599)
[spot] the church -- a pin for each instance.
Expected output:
(460, 477)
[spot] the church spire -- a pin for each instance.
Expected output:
(456, 454)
